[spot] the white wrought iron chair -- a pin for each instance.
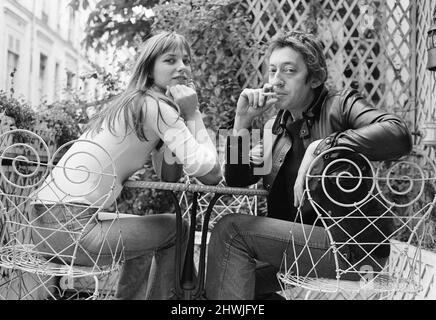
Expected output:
(366, 208)
(34, 264)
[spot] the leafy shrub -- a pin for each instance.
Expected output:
(64, 118)
(60, 117)
(19, 110)
(221, 41)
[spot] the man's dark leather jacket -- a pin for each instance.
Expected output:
(339, 118)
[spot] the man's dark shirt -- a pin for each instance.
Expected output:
(281, 199)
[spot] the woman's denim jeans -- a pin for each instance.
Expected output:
(239, 242)
(149, 247)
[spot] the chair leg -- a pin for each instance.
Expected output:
(307, 295)
(96, 288)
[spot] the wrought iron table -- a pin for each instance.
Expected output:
(187, 288)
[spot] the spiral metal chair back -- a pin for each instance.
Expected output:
(40, 261)
(368, 210)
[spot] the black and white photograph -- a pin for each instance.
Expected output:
(217, 154)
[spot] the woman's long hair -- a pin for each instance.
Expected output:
(132, 101)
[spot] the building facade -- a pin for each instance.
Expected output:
(41, 59)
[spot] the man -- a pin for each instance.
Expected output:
(310, 120)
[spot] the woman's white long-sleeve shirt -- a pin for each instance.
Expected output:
(78, 175)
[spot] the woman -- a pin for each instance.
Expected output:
(159, 105)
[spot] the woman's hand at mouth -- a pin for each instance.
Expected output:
(186, 98)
